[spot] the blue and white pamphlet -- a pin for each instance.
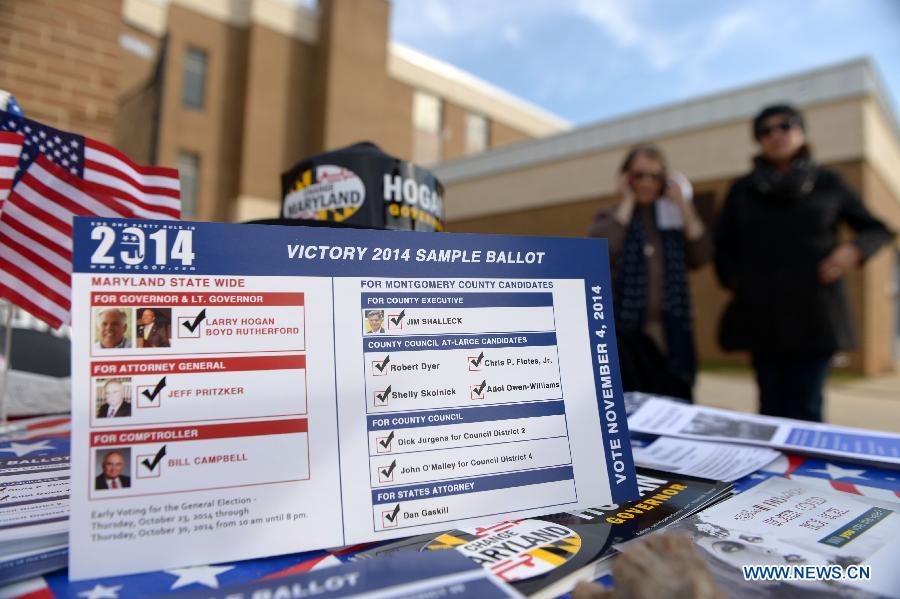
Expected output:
(661, 416)
(240, 391)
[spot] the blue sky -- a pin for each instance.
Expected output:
(589, 60)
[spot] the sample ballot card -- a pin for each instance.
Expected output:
(246, 390)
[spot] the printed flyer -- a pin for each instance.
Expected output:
(705, 459)
(787, 526)
(246, 390)
(660, 416)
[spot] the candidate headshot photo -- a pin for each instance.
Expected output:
(373, 322)
(111, 328)
(113, 398)
(154, 326)
(113, 468)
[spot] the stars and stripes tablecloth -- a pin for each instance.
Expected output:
(49, 435)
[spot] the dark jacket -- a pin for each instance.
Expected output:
(124, 410)
(773, 231)
(100, 482)
(159, 336)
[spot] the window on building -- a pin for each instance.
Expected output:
(193, 89)
(188, 164)
(427, 123)
(476, 133)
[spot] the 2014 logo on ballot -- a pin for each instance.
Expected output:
(143, 246)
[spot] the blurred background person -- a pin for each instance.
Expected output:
(778, 250)
(655, 236)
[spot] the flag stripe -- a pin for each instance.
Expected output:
(68, 190)
(8, 244)
(98, 168)
(50, 251)
(54, 264)
(24, 297)
(37, 219)
(25, 273)
(153, 176)
(36, 237)
(115, 188)
(10, 149)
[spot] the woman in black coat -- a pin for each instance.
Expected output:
(778, 250)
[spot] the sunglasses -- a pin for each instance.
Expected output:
(640, 175)
(784, 126)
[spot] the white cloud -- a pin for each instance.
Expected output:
(621, 24)
(614, 18)
(662, 47)
(511, 35)
(437, 16)
(571, 49)
(717, 36)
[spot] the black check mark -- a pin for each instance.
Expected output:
(481, 387)
(385, 442)
(399, 317)
(384, 364)
(477, 362)
(159, 455)
(159, 387)
(387, 471)
(393, 515)
(192, 326)
(383, 396)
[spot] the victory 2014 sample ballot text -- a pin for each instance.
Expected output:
(244, 390)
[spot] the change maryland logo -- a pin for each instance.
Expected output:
(515, 550)
(327, 193)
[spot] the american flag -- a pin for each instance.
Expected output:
(150, 192)
(36, 236)
(10, 148)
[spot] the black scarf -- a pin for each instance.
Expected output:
(797, 181)
(630, 295)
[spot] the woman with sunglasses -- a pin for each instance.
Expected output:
(779, 251)
(655, 235)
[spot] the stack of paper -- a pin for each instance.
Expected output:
(34, 497)
(662, 416)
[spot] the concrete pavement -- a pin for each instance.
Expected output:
(872, 403)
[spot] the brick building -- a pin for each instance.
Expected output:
(62, 61)
(233, 92)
